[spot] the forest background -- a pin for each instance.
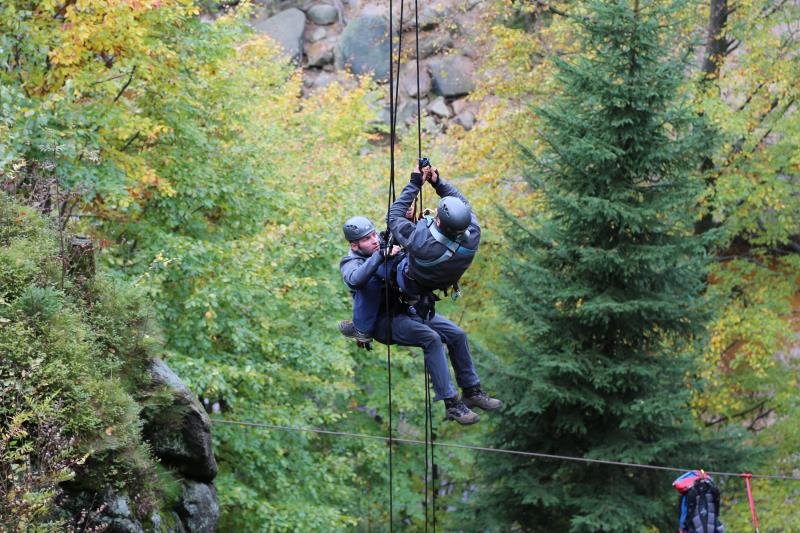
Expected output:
(217, 192)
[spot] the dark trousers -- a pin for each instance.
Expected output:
(431, 335)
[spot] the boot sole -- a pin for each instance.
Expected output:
(487, 409)
(477, 419)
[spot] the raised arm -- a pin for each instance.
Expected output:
(399, 225)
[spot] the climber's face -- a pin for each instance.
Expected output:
(366, 245)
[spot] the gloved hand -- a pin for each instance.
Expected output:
(416, 179)
(365, 345)
(391, 252)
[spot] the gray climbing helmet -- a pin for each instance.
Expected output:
(454, 215)
(357, 227)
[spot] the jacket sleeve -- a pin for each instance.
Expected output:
(356, 272)
(399, 225)
(444, 188)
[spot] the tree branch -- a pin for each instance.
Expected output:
(129, 141)
(740, 414)
(130, 79)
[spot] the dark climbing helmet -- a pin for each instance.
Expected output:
(357, 227)
(454, 215)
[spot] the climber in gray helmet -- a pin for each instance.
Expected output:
(357, 227)
(366, 270)
(439, 248)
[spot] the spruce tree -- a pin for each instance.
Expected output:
(605, 285)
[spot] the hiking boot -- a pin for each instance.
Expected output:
(456, 410)
(475, 397)
(347, 329)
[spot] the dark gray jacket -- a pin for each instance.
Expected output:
(357, 269)
(421, 245)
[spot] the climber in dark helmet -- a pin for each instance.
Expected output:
(439, 248)
(366, 270)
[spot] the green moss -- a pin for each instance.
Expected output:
(73, 364)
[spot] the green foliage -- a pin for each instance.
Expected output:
(190, 146)
(605, 285)
(68, 415)
(752, 198)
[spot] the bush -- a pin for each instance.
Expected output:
(72, 363)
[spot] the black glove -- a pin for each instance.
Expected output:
(416, 179)
(365, 345)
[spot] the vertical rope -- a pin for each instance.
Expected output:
(394, 90)
(388, 310)
(418, 201)
(427, 415)
(418, 207)
(433, 469)
(394, 103)
(429, 435)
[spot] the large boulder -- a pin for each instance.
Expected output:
(198, 507)
(363, 46)
(406, 112)
(117, 517)
(465, 119)
(432, 43)
(323, 14)
(287, 29)
(180, 433)
(430, 16)
(453, 76)
(439, 108)
(408, 79)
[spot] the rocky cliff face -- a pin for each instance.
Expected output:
(178, 431)
(96, 432)
(330, 37)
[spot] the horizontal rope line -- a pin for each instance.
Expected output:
(487, 449)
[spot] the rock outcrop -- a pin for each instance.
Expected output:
(286, 28)
(180, 433)
(363, 47)
(453, 75)
(331, 37)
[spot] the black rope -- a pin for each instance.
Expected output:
(433, 463)
(419, 102)
(394, 101)
(392, 194)
(427, 416)
(428, 403)
(397, 86)
(388, 310)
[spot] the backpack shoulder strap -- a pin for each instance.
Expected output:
(684, 505)
(452, 246)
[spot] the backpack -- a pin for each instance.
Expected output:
(699, 503)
